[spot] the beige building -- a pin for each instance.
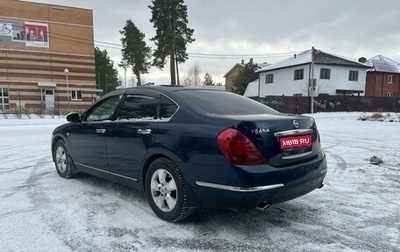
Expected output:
(47, 62)
(231, 75)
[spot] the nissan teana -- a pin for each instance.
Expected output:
(192, 148)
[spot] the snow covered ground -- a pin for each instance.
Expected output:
(358, 209)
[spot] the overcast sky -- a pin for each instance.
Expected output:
(227, 31)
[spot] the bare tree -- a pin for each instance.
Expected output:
(319, 88)
(193, 78)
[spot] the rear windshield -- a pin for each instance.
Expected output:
(225, 103)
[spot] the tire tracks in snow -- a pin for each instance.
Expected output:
(58, 220)
(79, 222)
(364, 218)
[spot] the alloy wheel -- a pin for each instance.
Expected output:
(61, 159)
(164, 190)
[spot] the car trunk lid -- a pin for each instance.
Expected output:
(282, 140)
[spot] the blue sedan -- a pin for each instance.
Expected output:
(192, 148)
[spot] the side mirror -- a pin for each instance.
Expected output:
(73, 117)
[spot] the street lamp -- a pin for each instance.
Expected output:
(66, 71)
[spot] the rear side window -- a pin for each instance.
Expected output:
(138, 107)
(167, 108)
(225, 103)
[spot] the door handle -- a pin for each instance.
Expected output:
(143, 131)
(100, 131)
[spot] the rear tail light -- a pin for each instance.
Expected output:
(238, 149)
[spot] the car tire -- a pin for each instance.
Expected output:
(166, 191)
(62, 160)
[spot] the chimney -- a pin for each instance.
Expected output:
(251, 61)
(242, 61)
(362, 60)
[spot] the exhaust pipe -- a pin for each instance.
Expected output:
(321, 185)
(263, 205)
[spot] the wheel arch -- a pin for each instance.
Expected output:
(153, 155)
(162, 153)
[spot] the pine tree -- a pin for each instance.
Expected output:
(244, 77)
(134, 50)
(106, 74)
(169, 17)
(208, 81)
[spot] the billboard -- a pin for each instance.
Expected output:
(22, 33)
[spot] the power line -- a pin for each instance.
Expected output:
(216, 56)
(244, 55)
(212, 55)
(229, 56)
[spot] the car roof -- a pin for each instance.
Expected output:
(172, 88)
(166, 89)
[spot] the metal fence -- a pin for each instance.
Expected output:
(301, 105)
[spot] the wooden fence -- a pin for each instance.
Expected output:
(301, 105)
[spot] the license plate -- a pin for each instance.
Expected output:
(295, 142)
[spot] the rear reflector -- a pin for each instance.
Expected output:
(238, 149)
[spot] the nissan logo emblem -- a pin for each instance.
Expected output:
(296, 124)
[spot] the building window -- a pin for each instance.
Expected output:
(4, 99)
(269, 78)
(299, 74)
(390, 78)
(353, 75)
(325, 73)
(76, 95)
(48, 92)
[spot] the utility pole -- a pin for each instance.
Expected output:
(105, 83)
(312, 81)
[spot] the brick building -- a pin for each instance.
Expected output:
(384, 77)
(47, 59)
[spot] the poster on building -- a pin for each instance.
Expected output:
(6, 29)
(22, 33)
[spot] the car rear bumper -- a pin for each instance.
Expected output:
(272, 185)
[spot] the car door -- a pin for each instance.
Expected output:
(133, 133)
(88, 139)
